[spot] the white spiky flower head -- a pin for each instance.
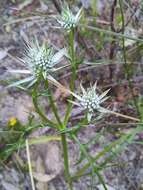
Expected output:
(67, 19)
(91, 101)
(40, 61)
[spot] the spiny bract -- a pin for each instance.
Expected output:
(67, 20)
(91, 101)
(41, 60)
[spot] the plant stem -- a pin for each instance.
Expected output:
(126, 65)
(37, 109)
(92, 163)
(63, 138)
(73, 77)
(66, 161)
(53, 106)
(69, 108)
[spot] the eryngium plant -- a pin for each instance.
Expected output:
(91, 101)
(67, 19)
(39, 61)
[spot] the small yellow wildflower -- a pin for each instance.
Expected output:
(12, 122)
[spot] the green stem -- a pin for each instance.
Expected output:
(53, 106)
(107, 149)
(36, 105)
(126, 65)
(66, 161)
(72, 81)
(69, 107)
(63, 138)
(73, 61)
(91, 162)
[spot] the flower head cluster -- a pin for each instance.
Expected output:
(91, 101)
(67, 20)
(40, 61)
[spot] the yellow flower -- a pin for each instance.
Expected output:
(12, 122)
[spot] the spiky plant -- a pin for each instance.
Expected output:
(39, 61)
(91, 101)
(67, 19)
